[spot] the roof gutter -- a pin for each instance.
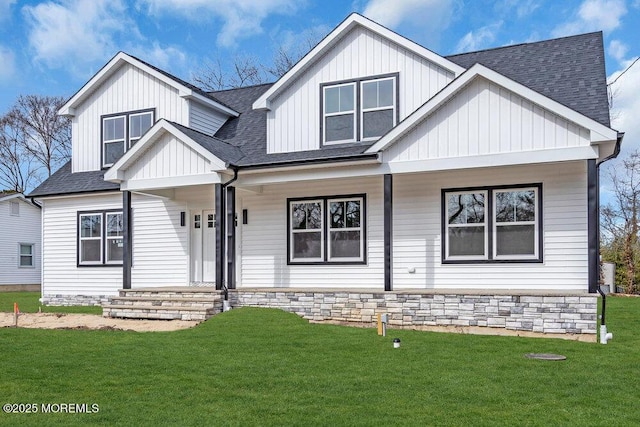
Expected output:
(309, 162)
(604, 335)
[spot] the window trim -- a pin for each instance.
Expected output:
(32, 255)
(358, 112)
(325, 230)
(103, 238)
(127, 124)
(490, 227)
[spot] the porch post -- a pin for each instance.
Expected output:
(593, 225)
(388, 232)
(126, 240)
(231, 237)
(220, 220)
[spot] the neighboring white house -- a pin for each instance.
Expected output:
(375, 175)
(20, 243)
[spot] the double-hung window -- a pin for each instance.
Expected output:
(100, 238)
(121, 131)
(326, 230)
(363, 109)
(493, 224)
(25, 254)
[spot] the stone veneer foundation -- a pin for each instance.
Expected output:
(571, 316)
(566, 315)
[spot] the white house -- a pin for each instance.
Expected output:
(20, 243)
(376, 176)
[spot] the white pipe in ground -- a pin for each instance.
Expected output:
(604, 335)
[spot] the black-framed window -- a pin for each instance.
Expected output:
(492, 224)
(326, 230)
(121, 131)
(358, 110)
(100, 238)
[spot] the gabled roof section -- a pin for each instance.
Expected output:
(599, 132)
(184, 89)
(216, 151)
(333, 38)
(19, 196)
(569, 70)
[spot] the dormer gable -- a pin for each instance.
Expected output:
(358, 82)
(185, 90)
(123, 100)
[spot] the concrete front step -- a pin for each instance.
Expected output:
(164, 303)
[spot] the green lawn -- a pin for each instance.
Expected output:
(28, 303)
(267, 367)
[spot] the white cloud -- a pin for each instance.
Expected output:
(479, 39)
(241, 18)
(594, 15)
(166, 58)
(618, 50)
(393, 13)
(626, 104)
(8, 68)
(5, 9)
(75, 32)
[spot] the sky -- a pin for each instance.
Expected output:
(54, 47)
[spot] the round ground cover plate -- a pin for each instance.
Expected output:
(545, 356)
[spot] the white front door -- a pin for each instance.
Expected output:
(203, 246)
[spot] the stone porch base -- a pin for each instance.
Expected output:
(561, 315)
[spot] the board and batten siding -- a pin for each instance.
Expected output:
(168, 157)
(205, 119)
(160, 244)
(61, 274)
(262, 251)
(23, 228)
(417, 218)
(128, 89)
(482, 119)
(293, 124)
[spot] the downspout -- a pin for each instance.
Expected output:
(604, 335)
(226, 306)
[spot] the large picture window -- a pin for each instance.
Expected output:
(326, 230)
(100, 238)
(358, 110)
(121, 131)
(493, 224)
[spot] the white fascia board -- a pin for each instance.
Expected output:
(599, 132)
(13, 196)
(116, 172)
(170, 182)
(121, 58)
(334, 37)
(492, 160)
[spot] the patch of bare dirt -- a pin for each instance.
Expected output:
(91, 321)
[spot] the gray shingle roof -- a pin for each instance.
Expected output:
(569, 70)
(216, 146)
(65, 182)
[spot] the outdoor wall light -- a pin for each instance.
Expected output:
(182, 219)
(245, 216)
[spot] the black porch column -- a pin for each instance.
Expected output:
(126, 240)
(593, 225)
(388, 232)
(220, 220)
(231, 237)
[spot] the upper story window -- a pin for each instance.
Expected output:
(359, 110)
(14, 208)
(121, 131)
